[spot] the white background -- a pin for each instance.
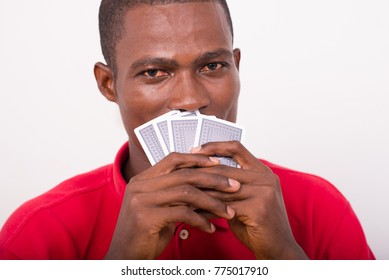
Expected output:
(194, 270)
(315, 86)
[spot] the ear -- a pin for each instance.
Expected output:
(237, 58)
(105, 81)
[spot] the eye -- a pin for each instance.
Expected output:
(154, 73)
(214, 66)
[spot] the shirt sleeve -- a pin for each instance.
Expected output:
(348, 241)
(41, 237)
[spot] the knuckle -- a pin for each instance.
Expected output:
(181, 214)
(268, 194)
(185, 213)
(135, 179)
(222, 169)
(186, 173)
(275, 180)
(175, 158)
(220, 206)
(135, 210)
(134, 187)
(135, 201)
(191, 217)
(173, 154)
(187, 190)
(235, 145)
(221, 180)
(270, 179)
(271, 193)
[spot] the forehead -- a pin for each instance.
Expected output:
(172, 28)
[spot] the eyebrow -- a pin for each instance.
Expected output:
(157, 61)
(212, 55)
(161, 61)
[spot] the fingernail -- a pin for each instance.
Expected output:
(230, 212)
(233, 183)
(214, 159)
(195, 149)
(213, 228)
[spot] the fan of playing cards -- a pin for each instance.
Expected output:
(178, 131)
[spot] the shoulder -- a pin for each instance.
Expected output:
(321, 218)
(307, 196)
(67, 198)
(76, 186)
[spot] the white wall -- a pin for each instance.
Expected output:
(315, 86)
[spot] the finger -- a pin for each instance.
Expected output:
(175, 161)
(192, 176)
(267, 187)
(233, 149)
(187, 196)
(182, 214)
(243, 176)
(246, 192)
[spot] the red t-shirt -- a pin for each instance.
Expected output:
(76, 220)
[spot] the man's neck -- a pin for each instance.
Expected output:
(136, 163)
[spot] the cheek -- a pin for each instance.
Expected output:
(226, 101)
(139, 105)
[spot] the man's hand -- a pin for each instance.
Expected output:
(260, 222)
(169, 192)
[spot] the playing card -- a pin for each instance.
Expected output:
(182, 133)
(179, 131)
(147, 137)
(161, 128)
(215, 130)
(189, 114)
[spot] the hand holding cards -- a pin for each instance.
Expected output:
(178, 131)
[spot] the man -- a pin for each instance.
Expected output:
(178, 55)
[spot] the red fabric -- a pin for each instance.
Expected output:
(76, 220)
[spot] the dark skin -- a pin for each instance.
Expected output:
(180, 56)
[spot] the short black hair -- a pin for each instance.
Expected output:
(111, 22)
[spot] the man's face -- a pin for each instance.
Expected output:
(176, 56)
